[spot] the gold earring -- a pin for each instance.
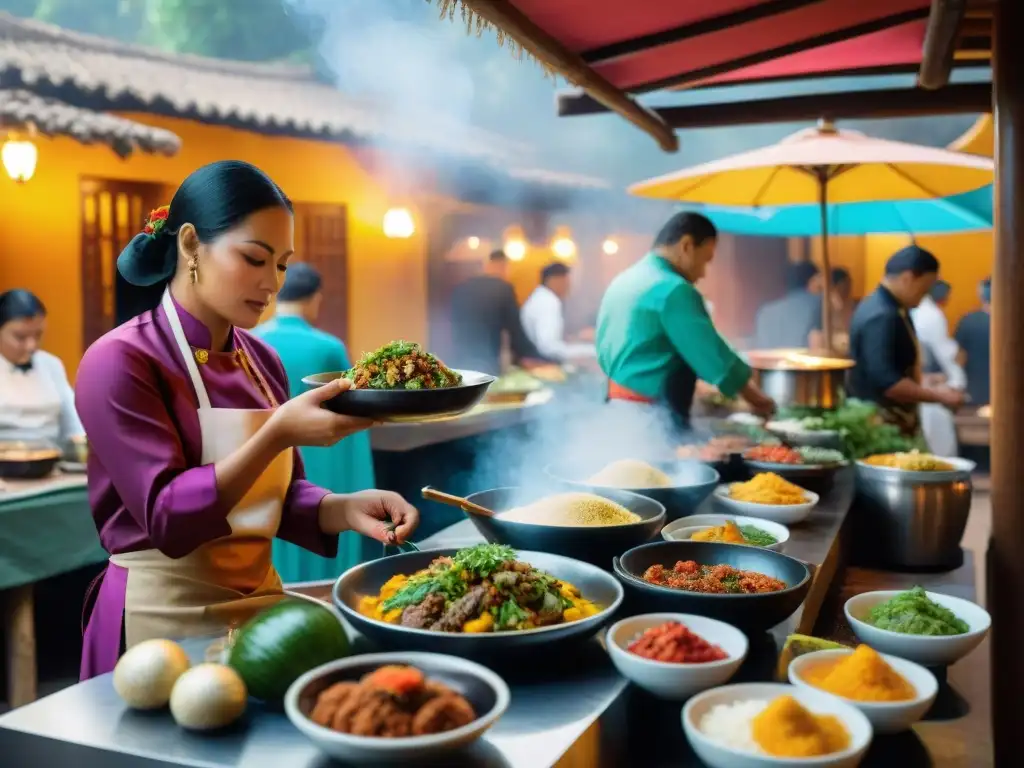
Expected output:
(193, 268)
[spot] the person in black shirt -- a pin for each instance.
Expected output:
(974, 335)
(483, 308)
(884, 345)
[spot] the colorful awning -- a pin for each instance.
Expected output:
(616, 50)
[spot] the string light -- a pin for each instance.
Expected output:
(610, 247)
(19, 159)
(399, 224)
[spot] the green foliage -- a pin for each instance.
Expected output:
(249, 30)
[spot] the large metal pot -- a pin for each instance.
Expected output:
(904, 520)
(795, 378)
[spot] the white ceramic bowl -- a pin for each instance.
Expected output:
(717, 755)
(683, 528)
(787, 514)
(931, 651)
(676, 682)
(884, 716)
(469, 678)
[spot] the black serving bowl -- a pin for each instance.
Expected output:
(596, 545)
(594, 584)
(693, 481)
(751, 613)
(406, 404)
(27, 461)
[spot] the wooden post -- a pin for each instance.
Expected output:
(19, 619)
(1005, 564)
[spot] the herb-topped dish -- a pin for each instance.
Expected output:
(403, 382)
(476, 602)
(738, 529)
(481, 589)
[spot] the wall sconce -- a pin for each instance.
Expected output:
(610, 247)
(473, 243)
(563, 247)
(19, 159)
(399, 224)
(515, 249)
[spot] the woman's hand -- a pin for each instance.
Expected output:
(372, 513)
(304, 421)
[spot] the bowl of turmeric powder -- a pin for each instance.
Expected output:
(893, 693)
(769, 497)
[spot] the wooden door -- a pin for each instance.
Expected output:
(113, 212)
(321, 235)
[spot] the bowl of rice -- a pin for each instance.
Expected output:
(720, 726)
(590, 526)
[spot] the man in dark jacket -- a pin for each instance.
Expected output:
(483, 309)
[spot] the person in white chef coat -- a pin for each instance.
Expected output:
(940, 353)
(543, 318)
(36, 399)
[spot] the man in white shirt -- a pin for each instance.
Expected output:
(544, 320)
(940, 359)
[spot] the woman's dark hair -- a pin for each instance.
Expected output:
(214, 199)
(697, 226)
(19, 304)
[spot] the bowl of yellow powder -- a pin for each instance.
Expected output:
(766, 725)
(590, 526)
(680, 485)
(893, 693)
(769, 497)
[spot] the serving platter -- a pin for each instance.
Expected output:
(406, 405)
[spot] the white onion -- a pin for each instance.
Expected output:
(146, 673)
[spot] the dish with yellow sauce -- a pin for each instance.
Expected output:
(909, 462)
(481, 589)
(768, 488)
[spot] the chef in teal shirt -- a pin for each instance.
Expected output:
(654, 335)
(347, 466)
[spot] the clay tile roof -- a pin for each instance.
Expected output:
(26, 111)
(107, 74)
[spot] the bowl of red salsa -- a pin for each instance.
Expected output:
(675, 655)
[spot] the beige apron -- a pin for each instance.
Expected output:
(223, 582)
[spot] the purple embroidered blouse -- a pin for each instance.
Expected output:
(147, 488)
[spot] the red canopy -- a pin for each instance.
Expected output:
(645, 45)
(614, 49)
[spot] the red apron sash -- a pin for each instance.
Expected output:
(618, 392)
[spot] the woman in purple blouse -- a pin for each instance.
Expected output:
(193, 467)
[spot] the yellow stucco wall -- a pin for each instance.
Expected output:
(966, 258)
(40, 225)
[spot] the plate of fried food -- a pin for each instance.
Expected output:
(387, 708)
(403, 382)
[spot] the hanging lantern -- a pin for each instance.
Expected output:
(610, 247)
(399, 224)
(19, 158)
(562, 245)
(515, 249)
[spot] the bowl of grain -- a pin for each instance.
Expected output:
(590, 526)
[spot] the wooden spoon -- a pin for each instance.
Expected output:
(459, 502)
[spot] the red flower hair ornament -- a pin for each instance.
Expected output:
(157, 221)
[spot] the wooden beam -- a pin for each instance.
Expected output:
(799, 46)
(940, 39)
(1005, 566)
(630, 47)
(899, 102)
(549, 51)
(576, 102)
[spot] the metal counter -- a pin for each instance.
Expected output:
(553, 703)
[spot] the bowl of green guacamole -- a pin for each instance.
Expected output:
(929, 628)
